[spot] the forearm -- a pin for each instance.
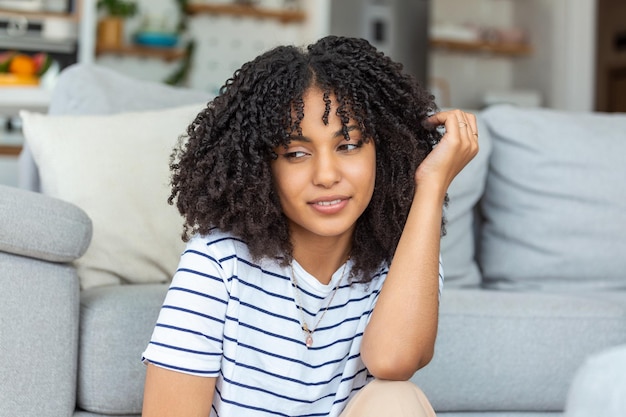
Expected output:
(400, 336)
(174, 394)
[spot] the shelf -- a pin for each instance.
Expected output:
(284, 16)
(10, 150)
(16, 98)
(507, 49)
(166, 54)
(71, 16)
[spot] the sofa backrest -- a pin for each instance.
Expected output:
(555, 200)
(83, 89)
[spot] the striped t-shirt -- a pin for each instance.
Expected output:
(227, 317)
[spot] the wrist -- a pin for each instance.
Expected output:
(433, 189)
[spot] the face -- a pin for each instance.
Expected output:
(324, 181)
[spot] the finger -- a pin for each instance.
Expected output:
(466, 122)
(464, 125)
(473, 125)
(437, 119)
(452, 120)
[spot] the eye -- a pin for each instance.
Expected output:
(294, 155)
(350, 146)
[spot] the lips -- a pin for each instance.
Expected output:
(329, 205)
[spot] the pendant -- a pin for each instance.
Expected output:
(309, 341)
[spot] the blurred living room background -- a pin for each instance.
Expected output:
(562, 54)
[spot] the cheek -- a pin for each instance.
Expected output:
(372, 178)
(371, 169)
(364, 177)
(284, 184)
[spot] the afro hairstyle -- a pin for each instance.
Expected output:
(221, 169)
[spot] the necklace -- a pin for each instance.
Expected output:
(305, 327)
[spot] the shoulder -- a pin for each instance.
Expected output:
(218, 245)
(229, 252)
(214, 257)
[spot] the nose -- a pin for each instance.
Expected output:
(327, 170)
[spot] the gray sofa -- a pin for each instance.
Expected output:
(534, 283)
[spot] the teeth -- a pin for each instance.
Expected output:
(328, 203)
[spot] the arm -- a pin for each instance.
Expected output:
(175, 394)
(181, 333)
(400, 336)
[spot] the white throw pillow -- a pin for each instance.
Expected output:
(555, 202)
(116, 168)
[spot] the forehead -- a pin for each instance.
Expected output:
(318, 103)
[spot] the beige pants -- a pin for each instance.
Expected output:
(389, 399)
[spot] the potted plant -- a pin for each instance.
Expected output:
(111, 25)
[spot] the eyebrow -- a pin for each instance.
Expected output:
(338, 133)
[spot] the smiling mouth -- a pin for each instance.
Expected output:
(328, 203)
(330, 206)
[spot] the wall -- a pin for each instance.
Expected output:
(467, 75)
(562, 34)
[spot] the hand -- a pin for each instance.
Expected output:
(457, 147)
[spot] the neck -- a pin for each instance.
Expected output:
(322, 257)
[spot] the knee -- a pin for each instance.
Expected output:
(391, 390)
(390, 398)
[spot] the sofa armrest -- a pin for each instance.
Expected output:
(41, 227)
(39, 313)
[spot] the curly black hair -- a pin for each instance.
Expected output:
(221, 176)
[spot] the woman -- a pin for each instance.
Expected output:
(312, 192)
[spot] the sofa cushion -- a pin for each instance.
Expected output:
(91, 89)
(512, 351)
(555, 201)
(116, 168)
(458, 245)
(115, 328)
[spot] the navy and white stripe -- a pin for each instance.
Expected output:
(227, 317)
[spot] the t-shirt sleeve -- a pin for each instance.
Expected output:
(188, 334)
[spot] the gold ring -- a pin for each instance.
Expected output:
(462, 124)
(475, 134)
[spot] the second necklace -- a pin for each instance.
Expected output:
(305, 327)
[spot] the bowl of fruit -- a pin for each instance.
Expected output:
(20, 69)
